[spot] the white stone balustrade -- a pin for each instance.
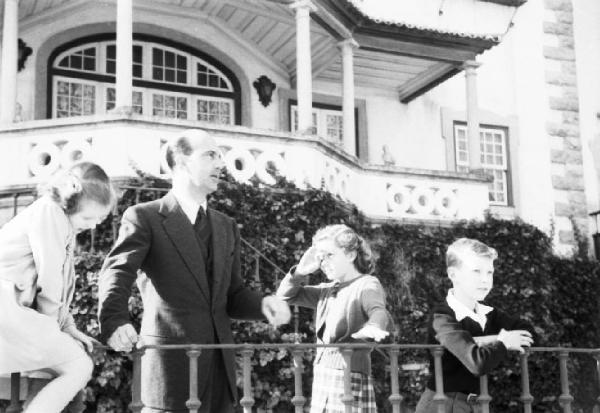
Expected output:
(33, 151)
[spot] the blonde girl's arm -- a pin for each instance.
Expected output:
(373, 304)
(48, 234)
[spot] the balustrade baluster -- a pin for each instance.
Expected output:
(15, 203)
(136, 404)
(526, 397)
(15, 394)
(484, 395)
(257, 268)
(565, 398)
(298, 400)
(137, 196)
(247, 401)
(440, 397)
(395, 398)
(193, 403)
(347, 399)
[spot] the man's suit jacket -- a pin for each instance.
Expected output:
(158, 238)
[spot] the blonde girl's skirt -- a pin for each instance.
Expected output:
(328, 390)
(30, 340)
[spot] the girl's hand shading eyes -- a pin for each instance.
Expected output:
(310, 262)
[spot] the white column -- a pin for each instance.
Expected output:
(303, 64)
(124, 55)
(470, 67)
(347, 47)
(10, 50)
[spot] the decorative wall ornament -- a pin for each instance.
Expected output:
(264, 87)
(24, 52)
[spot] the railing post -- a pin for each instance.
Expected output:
(193, 403)
(247, 401)
(298, 400)
(257, 267)
(526, 397)
(296, 317)
(440, 397)
(15, 394)
(484, 395)
(395, 398)
(92, 240)
(347, 399)
(565, 398)
(597, 357)
(136, 404)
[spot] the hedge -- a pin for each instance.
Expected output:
(559, 296)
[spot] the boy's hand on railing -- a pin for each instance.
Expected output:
(276, 310)
(484, 340)
(309, 263)
(515, 339)
(372, 332)
(123, 338)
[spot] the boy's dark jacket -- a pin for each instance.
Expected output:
(463, 361)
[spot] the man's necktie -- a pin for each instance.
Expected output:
(199, 217)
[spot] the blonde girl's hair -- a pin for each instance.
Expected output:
(82, 181)
(346, 238)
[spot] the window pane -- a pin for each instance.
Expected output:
(137, 71)
(111, 51)
(137, 54)
(157, 73)
(169, 75)
(169, 59)
(157, 57)
(181, 62)
(215, 111)
(76, 62)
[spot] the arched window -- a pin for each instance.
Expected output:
(169, 80)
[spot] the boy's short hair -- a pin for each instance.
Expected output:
(457, 249)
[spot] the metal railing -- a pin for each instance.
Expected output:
(299, 400)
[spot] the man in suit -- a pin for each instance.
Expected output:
(191, 286)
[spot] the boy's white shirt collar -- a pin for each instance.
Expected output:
(189, 205)
(461, 311)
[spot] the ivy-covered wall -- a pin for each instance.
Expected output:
(558, 295)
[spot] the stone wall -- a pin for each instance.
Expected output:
(562, 124)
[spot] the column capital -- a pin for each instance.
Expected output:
(471, 65)
(349, 42)
(304, 5)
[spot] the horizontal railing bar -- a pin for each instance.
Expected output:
(308, 346)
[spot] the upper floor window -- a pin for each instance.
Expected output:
(168, 81)
(326, 123)
(494, 158)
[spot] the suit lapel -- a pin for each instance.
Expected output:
(181, 232)
(219, 241)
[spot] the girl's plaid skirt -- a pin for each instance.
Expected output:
(328, 390)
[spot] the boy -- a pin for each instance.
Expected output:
(476, 337)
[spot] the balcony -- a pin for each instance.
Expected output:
(394, 352)
(31, 151)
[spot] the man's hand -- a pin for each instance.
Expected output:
(88, 343)
(309, 263)
(515, 339)
(370, 331)
(123, 338)
(276, 310)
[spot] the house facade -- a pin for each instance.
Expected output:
(421, 111)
